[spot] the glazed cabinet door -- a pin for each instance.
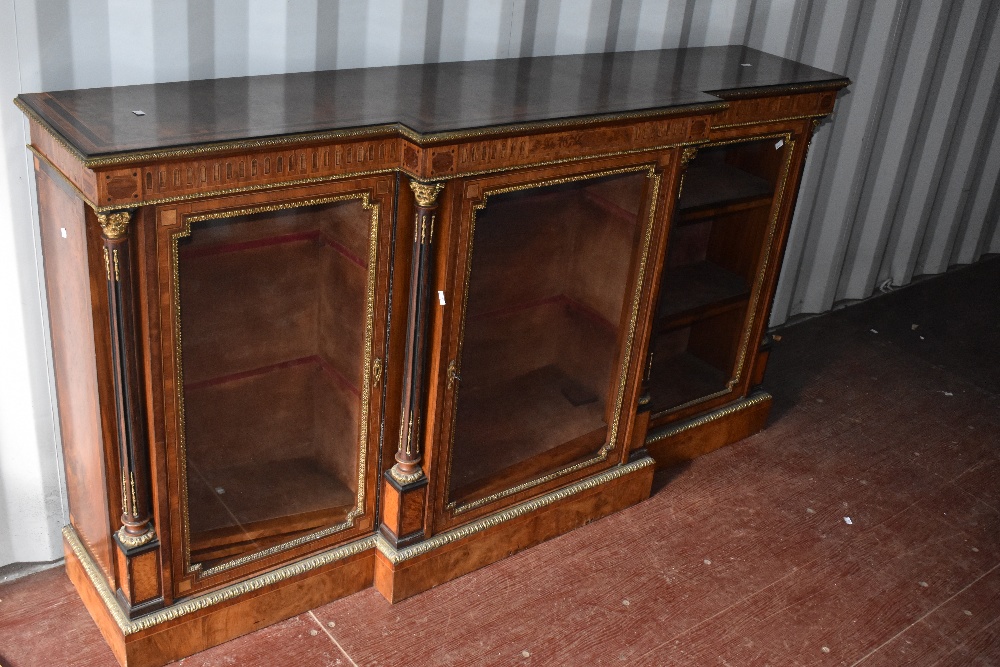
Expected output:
(721, 262)
(276, 305)
(549, 290)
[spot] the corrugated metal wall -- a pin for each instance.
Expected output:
(900, 183)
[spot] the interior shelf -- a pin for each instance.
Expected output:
(698, 290)
(717, 185)
(269, 462)
(613, 204)
(683, 377)
(245, 497)
(552, 408)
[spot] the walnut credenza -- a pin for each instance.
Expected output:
(319, 331)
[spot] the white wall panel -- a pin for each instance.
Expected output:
(352, 35)
(973, 236)
(231, 37)
(267, 37)
(832, 43)
(935, 254)
(779, 19)
(852, 138)
(200, 39)
(541, 25)
(893, 144)
(383, 42)
(627, 34)
(680, 22)
(652, 22)
(453, 35)
(939, 116)
(32, 495)
(170, 40)
(570, 27)
(89, 28)
(130, 42)
(900, 183)
(721, 19)
(302, 35)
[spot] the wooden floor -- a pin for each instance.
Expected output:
(861, 528)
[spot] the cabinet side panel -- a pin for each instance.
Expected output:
(64, 247)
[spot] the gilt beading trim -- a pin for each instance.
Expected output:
(315, 180)
(773, 121)
(131, 627)
(405, 478)
(133, 541)
(396, 556)
(674, 429)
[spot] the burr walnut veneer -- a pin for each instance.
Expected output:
(319, 331)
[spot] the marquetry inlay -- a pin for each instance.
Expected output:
(173, 179)
(491, 154)
(760, 109)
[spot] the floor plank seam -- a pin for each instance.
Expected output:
(964, 643)
(973, 468)
(975, 498)
(333, 639)
(931, 611)
(794, 570)
(844, 546)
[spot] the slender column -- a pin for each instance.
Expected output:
(137, 527)
(407, 469)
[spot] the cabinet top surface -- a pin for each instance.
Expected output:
(427, 99)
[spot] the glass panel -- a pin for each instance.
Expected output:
(273, 346)
(716, 241)
(544, 320)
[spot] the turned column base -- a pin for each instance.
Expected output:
(403, 509)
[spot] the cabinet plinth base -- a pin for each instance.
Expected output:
(686, 440)
(195, 624)
(402, 573)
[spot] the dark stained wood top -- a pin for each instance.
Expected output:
(427, 99)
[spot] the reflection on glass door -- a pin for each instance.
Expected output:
(273, 314)
(545, 319)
